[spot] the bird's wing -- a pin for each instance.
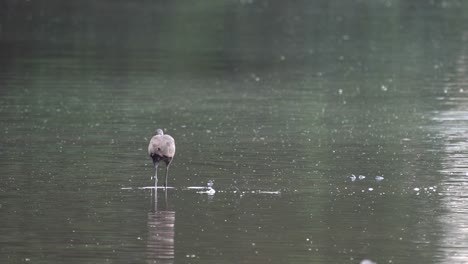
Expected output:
(169, 149)
(162, 145)
(154, 146)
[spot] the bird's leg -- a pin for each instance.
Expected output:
(168, 163)
(156, 174)
(167, 172)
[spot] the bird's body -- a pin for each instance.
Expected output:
(161, 147)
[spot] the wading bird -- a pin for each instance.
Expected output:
(161, 147)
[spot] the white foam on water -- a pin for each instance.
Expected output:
(269, 192)
(146, 187)
(211, 191)
(202, 189)
(379, 178)
(196, 187)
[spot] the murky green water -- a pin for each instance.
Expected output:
(278, 103)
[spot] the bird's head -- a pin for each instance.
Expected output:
(159, 132)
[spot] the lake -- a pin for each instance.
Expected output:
(333, 132)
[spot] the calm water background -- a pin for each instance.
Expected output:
(261, 96)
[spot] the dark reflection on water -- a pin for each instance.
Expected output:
(160, 240)
(277, 101)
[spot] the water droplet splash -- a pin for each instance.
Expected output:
(367, 261)
(210, 183)
(379, 178)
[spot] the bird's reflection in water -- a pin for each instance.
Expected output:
(160, 241)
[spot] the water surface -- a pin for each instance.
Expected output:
(278, 103)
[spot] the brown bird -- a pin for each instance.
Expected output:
(161, 147)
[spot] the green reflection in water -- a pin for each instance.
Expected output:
(275, 96)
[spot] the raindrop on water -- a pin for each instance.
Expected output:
(367, 261)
